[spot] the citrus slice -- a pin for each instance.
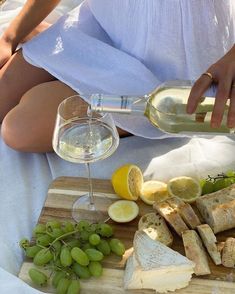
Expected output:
(127, 181)
(186, 188)
(153, 191)
(123, 211)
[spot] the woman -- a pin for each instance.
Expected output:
(118, 47)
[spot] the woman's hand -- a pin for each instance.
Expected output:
(6, 51)
(223, 74)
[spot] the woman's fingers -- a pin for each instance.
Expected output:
(197, 91)
(222, 95)
(231, 112)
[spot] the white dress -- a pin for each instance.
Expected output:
(130, 46)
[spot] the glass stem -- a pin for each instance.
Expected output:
(90, 187)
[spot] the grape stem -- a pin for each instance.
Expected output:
(63, 236)
(220, 176)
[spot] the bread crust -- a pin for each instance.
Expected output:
(154, 225)
(218, 209)
(171, 216)
(186, 212)
(195, 251)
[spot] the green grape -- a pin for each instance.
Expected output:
(39, 229)
(58, 276)
(202, 182)
(87, 246)
(56, 232)
(92, 228)
(207, 188)
(32, 251)
(56, 247)
(95, 268)
(104, 247)
(81, 271)
(230, 173)
(220, 184)
(63, 286)
(73, 243)
(104, 230)
(43, 257)
(94, 239)
(44, 240)
(74, 287)
(84, 235)
(57, 262)
(65, 257)
(53, 224)
(37, 277)
(94, 255)
(79, 256)
(117, 247)
(24, 243)
(67, 227)
(82, 225)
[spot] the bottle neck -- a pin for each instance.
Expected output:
(118, 104)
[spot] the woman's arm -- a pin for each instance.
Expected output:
(223, 74)
(31, 15)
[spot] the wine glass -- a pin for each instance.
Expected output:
(87, 139)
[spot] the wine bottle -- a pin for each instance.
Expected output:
(165, 107)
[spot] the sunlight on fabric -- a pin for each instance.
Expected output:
(59, 46)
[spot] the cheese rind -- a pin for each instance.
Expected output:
(153, 265)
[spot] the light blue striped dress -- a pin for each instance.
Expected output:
(131, 46)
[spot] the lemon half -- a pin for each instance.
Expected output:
(123, 211)
(186, 188)
(127, 181)
(153, 191)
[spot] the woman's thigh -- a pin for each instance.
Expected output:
(29, 125)
(17, 76)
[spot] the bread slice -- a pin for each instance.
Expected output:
(185, 210)
(209, 240)
(220, 247)
(218, 209)
(154, 225)
(171, 216)
(195, 251)
(228, 252)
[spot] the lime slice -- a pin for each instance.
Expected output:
(123, 211)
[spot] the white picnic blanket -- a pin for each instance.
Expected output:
(24, 178)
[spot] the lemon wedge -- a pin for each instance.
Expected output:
(123, 211)
(186, 188)
(153, 191)
(127, 181)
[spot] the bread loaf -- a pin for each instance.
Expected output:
(218, 209)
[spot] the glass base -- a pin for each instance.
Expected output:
(97, 212)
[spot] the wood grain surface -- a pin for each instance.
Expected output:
(64, 191)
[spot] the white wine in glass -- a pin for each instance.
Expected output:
(84, 140)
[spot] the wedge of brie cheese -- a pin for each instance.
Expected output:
(153, 265)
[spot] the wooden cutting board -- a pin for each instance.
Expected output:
(64, 191)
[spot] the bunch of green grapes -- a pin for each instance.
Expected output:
(70, 252)
(221, 181)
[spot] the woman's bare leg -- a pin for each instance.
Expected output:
(29, 126)
(16, 78)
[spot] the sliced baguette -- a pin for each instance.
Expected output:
(218, 209)
(209, 240)
(154, 225)
(195, 251)
(185, 210)
(171, 216)
(228, 253)
(220, 247)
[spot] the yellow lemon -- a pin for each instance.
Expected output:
(127, 181)
(186, 188)
(153, 191)
(123, 211)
